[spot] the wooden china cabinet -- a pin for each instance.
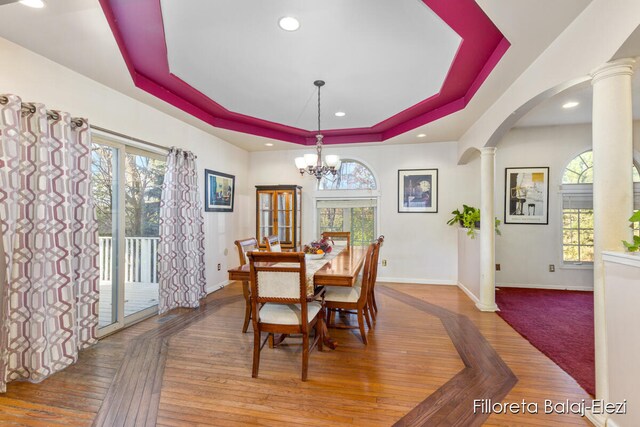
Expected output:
(278, 211)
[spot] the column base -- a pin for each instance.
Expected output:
(598, 420)
(487, 307)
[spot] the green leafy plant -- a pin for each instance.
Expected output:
(635, 245)
(469, 218)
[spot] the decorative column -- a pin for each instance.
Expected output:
(612, 186)
(487, 230)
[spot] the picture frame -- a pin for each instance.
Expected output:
(526, 199)
(417, 190)
(219, 191)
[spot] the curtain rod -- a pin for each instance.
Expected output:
(31, 108)
(122, 135)
(79, 122)
(141, 141)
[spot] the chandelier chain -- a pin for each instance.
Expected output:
(319, 87)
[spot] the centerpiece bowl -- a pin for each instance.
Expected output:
(317, 249)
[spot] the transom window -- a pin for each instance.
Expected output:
(577, 209)
(352, 175)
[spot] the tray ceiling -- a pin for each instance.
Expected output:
(390, 65)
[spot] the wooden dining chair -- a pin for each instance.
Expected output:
(338, 236)
(244, 246)
(352, 299)
(280, 305)
(372, 304)
(273, 243)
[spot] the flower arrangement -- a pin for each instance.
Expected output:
(322, 246)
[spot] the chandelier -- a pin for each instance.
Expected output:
(312, 163)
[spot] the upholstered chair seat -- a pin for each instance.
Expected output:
(342, 293)
(287, 314)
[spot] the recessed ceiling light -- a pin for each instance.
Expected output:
(340, 114)
(571, 104)
(422, 135)
(268, 144)
(289, 23)
(36, 4)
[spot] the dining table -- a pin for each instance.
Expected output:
(341, 269)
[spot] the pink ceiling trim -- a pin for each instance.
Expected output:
(139, 32)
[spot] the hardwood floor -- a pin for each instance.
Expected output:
(429, 355)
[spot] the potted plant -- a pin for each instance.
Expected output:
(469, 218)
(635, 245)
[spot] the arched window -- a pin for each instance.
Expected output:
(580, 170)
(353, 207)
(352, 175)
(577, 208)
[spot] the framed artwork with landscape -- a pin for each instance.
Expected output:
(418, 190)
(526, 196)
(219, 189)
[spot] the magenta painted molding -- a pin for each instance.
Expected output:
(138, 29)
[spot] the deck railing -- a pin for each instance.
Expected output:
(140, 259)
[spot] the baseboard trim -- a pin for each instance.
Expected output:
(470, 294)
(212, 288)
(414, 281)
(554, 287)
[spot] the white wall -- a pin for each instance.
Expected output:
(419, 247)
(525, 251)
(35, 78)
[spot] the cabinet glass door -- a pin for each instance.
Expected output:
(265, 212)
(285, 216)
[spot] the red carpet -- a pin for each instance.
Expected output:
(558, 323)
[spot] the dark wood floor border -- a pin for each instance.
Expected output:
(134, 395)
(485, 375)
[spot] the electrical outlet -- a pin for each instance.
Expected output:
(497, 267)
(384, 262)
(219, 267)
(552, 268)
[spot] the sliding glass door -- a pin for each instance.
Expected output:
(127, 186)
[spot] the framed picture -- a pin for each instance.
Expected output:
(526, 196)
(219, 189)
(418, 190)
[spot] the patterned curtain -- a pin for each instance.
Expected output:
(181, 247)
(49, 294)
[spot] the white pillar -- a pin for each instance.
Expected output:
(487, 230)
(612, 186)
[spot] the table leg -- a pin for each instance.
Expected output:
(326, 339)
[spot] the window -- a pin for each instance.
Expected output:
(355, 215)
(577, 208)
(354, 210)
(352, 175)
